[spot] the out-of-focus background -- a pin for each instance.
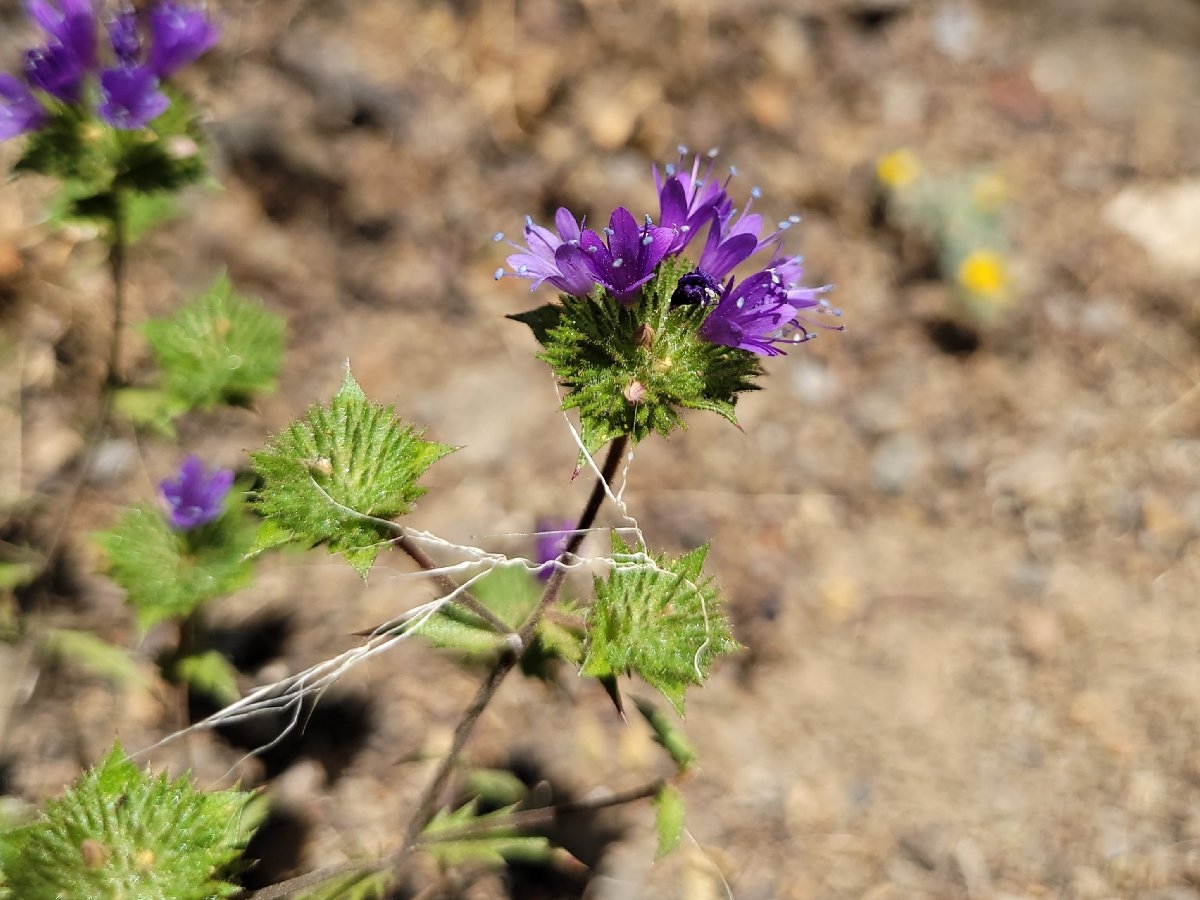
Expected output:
(960, 541)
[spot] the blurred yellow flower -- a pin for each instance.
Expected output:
(989, 192)
(898, 169)
(984, 273)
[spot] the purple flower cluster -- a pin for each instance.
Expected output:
(145, 50)
(757, 313)
(197, 496)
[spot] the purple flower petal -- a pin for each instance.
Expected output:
(552, 257)
(179, 35)
(55, 70)
(753, 316)
(124, 37)
(196, 497)
(553, 535)
(130, 98)
(72, 24)
(19, 110)
(630, 257)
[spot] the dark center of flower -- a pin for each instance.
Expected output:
(696, 288)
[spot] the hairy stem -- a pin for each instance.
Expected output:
(506, 663)
(116, 266)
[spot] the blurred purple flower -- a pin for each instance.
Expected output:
(553, 535)
(130, 98)
(55, 70)
(196, 497)
(72, 24)
(178, 35)
(629, 258)
(19, 110)
(552, 256)
(124, 37)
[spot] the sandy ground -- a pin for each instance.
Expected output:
(967, 582)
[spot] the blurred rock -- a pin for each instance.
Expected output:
(111, 462)
(1037, 633)
(897, 463)
(1164, 220)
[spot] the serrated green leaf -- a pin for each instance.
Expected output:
(219, 348)
(659, 618)
(668, 819)
(122, 834)
(92, 654)
(360, 886)
(151, 408)
(492, 845)
(667, 735)
(210, 674)
(509, 591)
(340, 475)
(540, 320)
(167, 573)
(629, 369)
(496, 787)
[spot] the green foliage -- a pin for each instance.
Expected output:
(667, 735)
(496, 787)
(628, 369)
(359, 886)
(668, 819)
(462, 837)
(659, 618)
(151, 408)
(167, 573)
(123, 834)
(208, 673)
(511, 592)
(92, 654)
(219, 348)
(340, 475)
(111, 175)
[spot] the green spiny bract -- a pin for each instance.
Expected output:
(123, 834)
(629, 368)
(658, 618)
(340, 475)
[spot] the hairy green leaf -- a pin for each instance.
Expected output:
(208, 673)
(92, 654)
(219, 348)
(123, 834)
(668, 819)
(659, 618)
(629, 369)
(490, 842)
(167, 573)
(667, 735)
(359, 886)
(341, 474)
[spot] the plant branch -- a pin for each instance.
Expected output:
(546, 815)
(447, 584)
(487, 690)
(116, 266)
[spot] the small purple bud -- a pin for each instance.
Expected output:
(196, 497)
(552, 540)
(130, 98)
(178, 35)
(55, 70)
(19, 110)
(124, 37)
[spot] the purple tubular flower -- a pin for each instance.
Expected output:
(179, 35)
(130, 98)
(55, 70)
(19, 110)
(553, 535)
(630, 257)
(686, 201)
(552, 256)
(72, 23)
(124, 37)
(754, 316)
(196, 497)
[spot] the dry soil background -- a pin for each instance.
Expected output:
(967, 581)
